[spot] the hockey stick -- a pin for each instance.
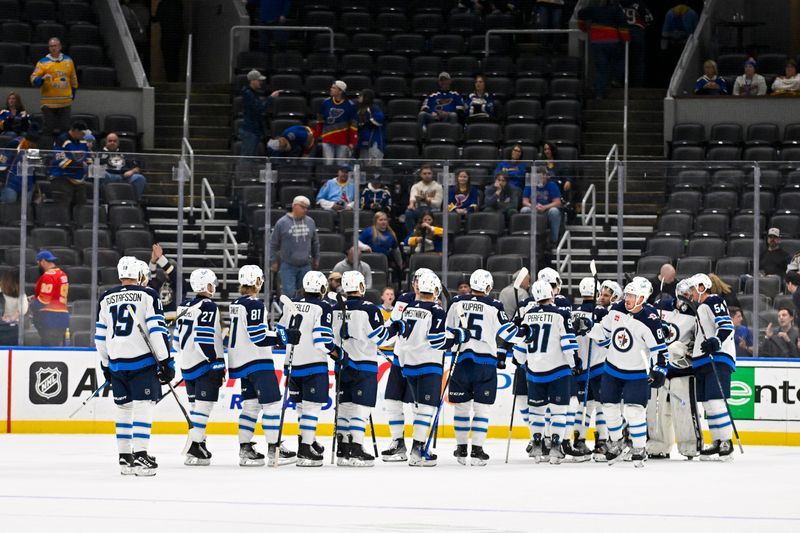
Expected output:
(446, 303)
(337, 373)
(190, 308)
(178, 384)
(517, 282)
(593, 270)
(289, 304)
(698, 430)
(714, 369)
(105, 384)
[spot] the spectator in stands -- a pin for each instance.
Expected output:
(426, 237)
(56, 76)
(49, 303)
(10, 159)
(548, 14)
(387, 302)
(792, 284)
(501, 196)
(515, 168)
(68, 172)
(511, 297)
(380, 238)
(480, 105)
(164, 280)
(639, 18)
(775, 259)
(743, 336)
(89, 139)
(254, 113)
(120, 167)
(273, 13)
(664, 283)
(463, 287)
(443, 106)
(556, 173)
(788, 85)
(750, 83)
(294, 246)
(334, 285)
(371, 135)
(376, 197)
(294, 141)
(9, 287)
(609, 29)
(463, 196)
(169, 16)
(723, 290)
(783, 342)
(347, 264)
(13, 117)
(548, 201)
(425, 196)
(336, 125)
(679, 23)
(794, 263)
(710, 83)
(338, 194)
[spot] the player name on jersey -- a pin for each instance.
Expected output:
(132, 296)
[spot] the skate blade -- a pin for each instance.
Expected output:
(397, 458)
(422, 463)
(462, 460)
(196, 461)
(251, 462)
(358, 463)
(310, 463)
(599, 458)
(127, 470)
(714, 457)
(144, 472)
(478, 462)
(282, 461)
(581, 458)
(537, 459)
(556, 460)
(638, 464)
(341, 461)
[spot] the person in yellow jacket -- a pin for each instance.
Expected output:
(55, 75)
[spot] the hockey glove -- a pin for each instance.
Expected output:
(217, 373)
(711, 346)
(397, 327)
(501, 362)
(345, 332)
(582, 325)
(461, 335)
(106, 373)
(166, 371)
(292, 336)
(577, 370)
(334, 354)
(658, 374)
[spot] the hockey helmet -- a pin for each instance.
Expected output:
(429, 283)
(128, 268)
(700, 279)
(420, 271)
(614, 288)
(639, 286)
(353, 281)
(144, 272)
(550, 276)
(665, 302)
(586, 287)
(481, 281)
(251, 276)
(201, 278)
(541, 290)
(315, 282)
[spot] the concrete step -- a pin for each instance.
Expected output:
(196, 130)
(209, 145)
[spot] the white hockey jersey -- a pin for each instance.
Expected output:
(315, 321)
(589, 350)
(367, 332)
(119, 341)
(198, 338)
(549, 348)
(486, 321)
(714, 320)
(249, 347)
(421, 347)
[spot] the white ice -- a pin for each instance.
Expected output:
(71, 483)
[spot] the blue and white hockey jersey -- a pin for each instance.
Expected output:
(714, 320)
(421, 347)
(198, 338)
(589, 350)
(315, 322)
(486, 321)
(367, 331)
(249, 347)
(549, 346)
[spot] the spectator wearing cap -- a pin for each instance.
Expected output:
(338, 194)
(254, 112)
(121, 167)
(294, 141)
(294, 246)
(49, 302)
(334, 287)
(788, 85)
(68, 172)
(710, 83)
(775, 259)
(10, 159)
(443, 106)
(750, 83)
(463, 287)
(346, 265)
(336, 125)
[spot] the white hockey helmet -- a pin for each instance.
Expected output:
(639, 286)
(614, 288)
(315, 282)
(586, 287)
(144, 272)
(541, 290)
(353, 281)
(429, 283)
(251, 276)
(201, 278)
(550, 276)
(128, 268)
(420, 271)
(700, 279)
(481, 281)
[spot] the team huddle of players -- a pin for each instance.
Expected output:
(605, 361)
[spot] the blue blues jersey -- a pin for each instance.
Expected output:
(448, 101)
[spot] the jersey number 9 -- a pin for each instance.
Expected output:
(123, 321)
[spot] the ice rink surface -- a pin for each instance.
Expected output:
(69, 483)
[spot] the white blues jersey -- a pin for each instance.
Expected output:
(549, 346)
(632, 341)
(486, 321)
(714, 321)
(421, 347)
(590, 352)
(198, 338)
(367, 331)
(118, 339)
(249, 347)
(315, 321)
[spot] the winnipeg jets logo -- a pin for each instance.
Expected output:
(674, 333)
(622, 340)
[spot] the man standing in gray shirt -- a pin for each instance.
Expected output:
(294, 246)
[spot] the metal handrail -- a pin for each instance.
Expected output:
(590, 215)
(566, 240)
(186, 149)
(543, 32)
(205, 209)
(229, 241)
(234, 29)
(613, 173)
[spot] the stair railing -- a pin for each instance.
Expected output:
(612, 172)
(564, 264)
(589, 216)
(206, 210)
(229, 259)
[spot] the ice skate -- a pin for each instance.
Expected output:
(720, 450)
(248, 456)
(478, 457)
(342, 451)
(418, 457)
(307, 456)
(396, 452)
(538, 445)
(126, 466)
(285, 456)
(638, 456)
(198, 455)
(617, 451)
(460, 453)
(599, 452)
(359, 457)
(144, 465)
(557, 453)
(582, 453)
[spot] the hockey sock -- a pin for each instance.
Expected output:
(248, 419)
(397, 420)
(719, 423)
(572, 410)
(461, 422)
(547, 420)
(601, 431)
(142, 424)
(537, 417)
(308, 422)
(271, 421)
(423, 418)
(558, 420)
(359, 415)
(199, 417)
(613, 416)
(124, 419)
(636, 415)
(343, 421)
(480, 424)
(521, 404)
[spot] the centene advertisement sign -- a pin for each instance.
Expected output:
(766, 389)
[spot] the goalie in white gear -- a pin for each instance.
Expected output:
(128, 364)
(250, 361)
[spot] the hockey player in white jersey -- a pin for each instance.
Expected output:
(250, 361)
(198, 341)
(362, 332)
(714, 349)
(549, 350)
(635, 361)
(423, 340)
(130, 366)
(397, 393)
(473, 385)
(309, 383)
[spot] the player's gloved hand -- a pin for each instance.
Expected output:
(462, 335)
(524, 331)
(711, 346)
(397, 327)
(345, 332)
(334, 354)
(217, 373)
(106, 373)
(657, 377)
(292, 336)
(501, 363)
(166, 371)
(582, 325)
(577, 370)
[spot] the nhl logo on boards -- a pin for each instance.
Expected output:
(48, 382)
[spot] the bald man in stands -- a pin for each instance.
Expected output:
(665, 282)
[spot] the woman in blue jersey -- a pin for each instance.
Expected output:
(371, 138)
(464, 196)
